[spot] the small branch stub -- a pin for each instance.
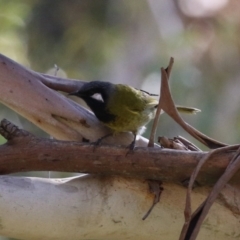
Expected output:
(10, 131)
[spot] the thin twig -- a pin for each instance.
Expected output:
(193, 221)
(159, 108)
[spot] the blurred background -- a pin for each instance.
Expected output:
(124, 41)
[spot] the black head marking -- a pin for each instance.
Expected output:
(99, 109)
(91, 88)
(97, 106)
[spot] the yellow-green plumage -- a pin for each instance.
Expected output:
(132, 107)
(123, 108)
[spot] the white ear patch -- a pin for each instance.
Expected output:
(98, 97)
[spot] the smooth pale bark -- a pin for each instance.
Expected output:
(28, 93)
(95, 207)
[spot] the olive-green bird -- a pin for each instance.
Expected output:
(122, 108)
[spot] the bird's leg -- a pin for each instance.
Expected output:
(98, 142)
(132, 144)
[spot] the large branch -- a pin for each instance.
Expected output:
(148, 163)
(29, 94)
(98, 207)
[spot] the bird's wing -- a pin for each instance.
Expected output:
(129, 109)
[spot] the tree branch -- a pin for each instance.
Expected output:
(28, 93)
(148, 163)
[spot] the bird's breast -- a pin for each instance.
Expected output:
(132, 121)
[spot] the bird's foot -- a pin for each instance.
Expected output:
(131, 147)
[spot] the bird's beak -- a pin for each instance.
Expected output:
(73, 93)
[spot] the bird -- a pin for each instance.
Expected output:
(121, 108)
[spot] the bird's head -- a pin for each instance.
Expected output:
(97, 105)
(95, 87)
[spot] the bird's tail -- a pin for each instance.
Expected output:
(189, 110)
